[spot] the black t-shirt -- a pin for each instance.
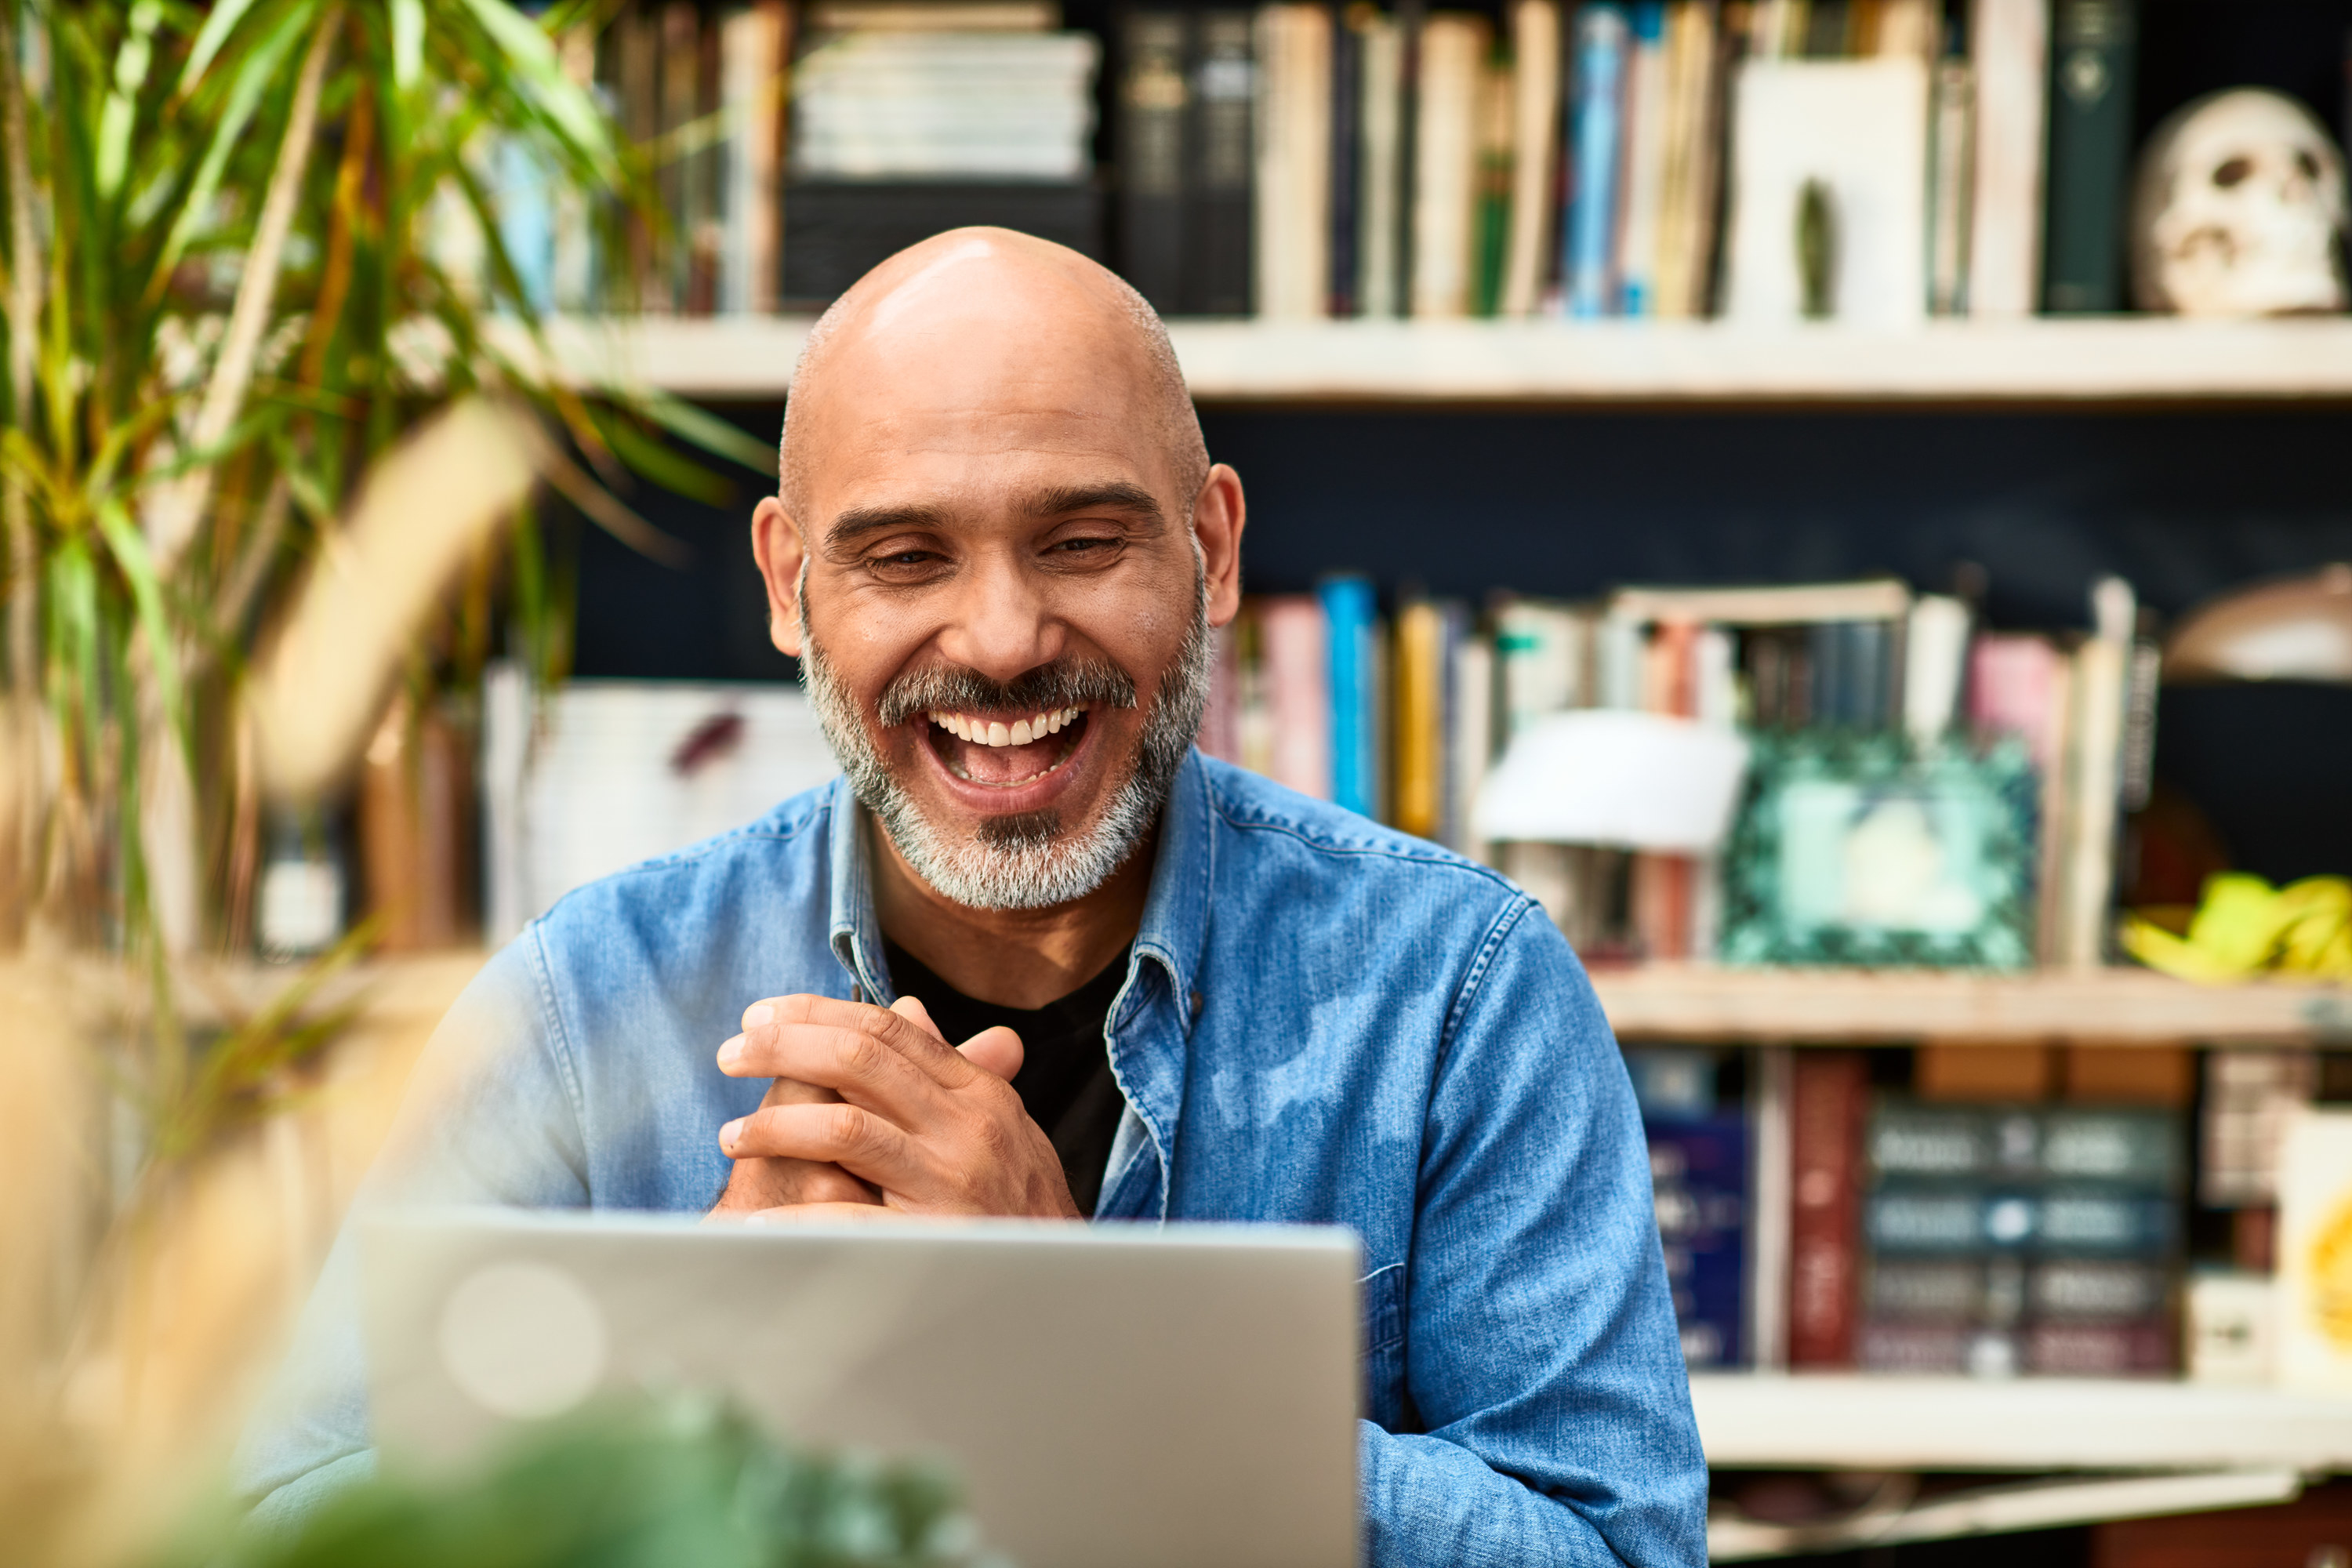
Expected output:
(1064, 1081)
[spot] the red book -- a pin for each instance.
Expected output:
(1829, 1096)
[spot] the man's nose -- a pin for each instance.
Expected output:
(1002, 624)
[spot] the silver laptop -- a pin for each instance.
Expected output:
(1105, 1394)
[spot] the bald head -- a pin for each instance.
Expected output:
(987, 318)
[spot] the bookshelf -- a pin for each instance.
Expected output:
(2065, 362)
(1843, 1421)
(2108, 1007)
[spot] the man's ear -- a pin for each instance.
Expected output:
(776, 544)
(1217, 518)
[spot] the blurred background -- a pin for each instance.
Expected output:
(1946, 402)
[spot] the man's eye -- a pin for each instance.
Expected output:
(1086, 546)
(904, 558)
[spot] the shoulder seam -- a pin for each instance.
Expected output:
(559, 1042)
(1498, 931)
(1436, 855)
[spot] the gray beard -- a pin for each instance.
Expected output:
(1033, 861)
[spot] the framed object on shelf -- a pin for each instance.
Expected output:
(1861, 848)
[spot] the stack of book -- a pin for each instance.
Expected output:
(2006, 1239)
(1402, 718)
(1669, 158)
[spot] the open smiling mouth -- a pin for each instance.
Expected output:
(1002, 751)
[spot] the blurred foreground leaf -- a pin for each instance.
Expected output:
(686, 1483)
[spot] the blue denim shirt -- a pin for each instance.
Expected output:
(1322, 1021)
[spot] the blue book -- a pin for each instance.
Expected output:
(1698, 1182)
(1596, 136)
(1349, 614)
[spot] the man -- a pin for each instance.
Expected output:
(998, 549)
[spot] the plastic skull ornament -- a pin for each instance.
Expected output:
(2239, 211)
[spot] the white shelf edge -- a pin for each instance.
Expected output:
(2095, 360)
(1852, 1421)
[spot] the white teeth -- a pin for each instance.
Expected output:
(998, 735)
(1053, 724)
(1020, 736)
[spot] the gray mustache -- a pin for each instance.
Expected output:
(1063, 684)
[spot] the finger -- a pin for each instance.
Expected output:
(912, 1007)
(859, 1141)
(919, 1042)
(998, 1050)
(793, 1091)
(755, 1184)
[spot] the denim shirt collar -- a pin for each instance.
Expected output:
(1148, 1025)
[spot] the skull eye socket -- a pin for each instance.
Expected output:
(2232, 172)
(2307, 165)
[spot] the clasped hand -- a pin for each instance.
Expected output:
(873, 1110)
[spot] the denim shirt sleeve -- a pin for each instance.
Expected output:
(1541, 1357)
(491, 1117)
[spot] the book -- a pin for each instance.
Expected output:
(2315, 1252)
(933, 17)
(1380, 51)
(1951, 176)
(2093, 820)
(2020, 686)
(1297, 650)
(1420, 675)
(1469, 730)
(755, 46)
(1153, 99)
(1645, 119)
(1603, 44)
(1935, 666)
(1446, 182)
(682, 173)
(1352, 630)
(1535, 58)
(1291, 274)
(1219, 229)
(1688, 191)
(1828, 1100)
(2093, 56)
(1491, 223)
(1347, 175)
(985, 106)
(1699, 1177)
(1852, 133)
(2009, 44)
(1873, 599)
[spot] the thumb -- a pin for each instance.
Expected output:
(998, 1050)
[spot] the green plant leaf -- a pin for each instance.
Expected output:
(530, 55)
(707, 431)
(252, 79)
(131, 65)
(128, 546)
(218, 23)
(407, 43)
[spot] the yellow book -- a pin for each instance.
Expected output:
(1419, 744)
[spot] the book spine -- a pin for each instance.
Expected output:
(1293, 162)
(1492, 224)
(1347, 172)
(1950, 177)
(1419, 718)
(1535, 148)
(1380, 51)
(1645, 115)
(2102, 692)
(1603, 39)
(2093, 56)
(1828, 1095)
(1470, 709)
(1223, 160)
(1445, 172)
(2009, 43)
(1348, 631)
(1153, 100)
(1298, 693)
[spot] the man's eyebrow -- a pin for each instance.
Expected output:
(858, 522)
(1115, 495)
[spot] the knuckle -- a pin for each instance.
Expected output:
(858, 1054)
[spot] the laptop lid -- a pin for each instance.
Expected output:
(1143, 1395)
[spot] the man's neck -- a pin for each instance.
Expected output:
(1014, 958)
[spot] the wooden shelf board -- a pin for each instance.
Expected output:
(1845, 1421)
(1830, 1006)
(2118, 359)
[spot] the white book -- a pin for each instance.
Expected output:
(1910, 29)
(1647, 112)
(2094, 777)
(1453, 49)
(1935, 663)
(1470, 740)
(1379, 150)
(2009, 42)
(1291, 266)
(1772, 1193)
(1858, 128)
(751, 66)
(1535, 151)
